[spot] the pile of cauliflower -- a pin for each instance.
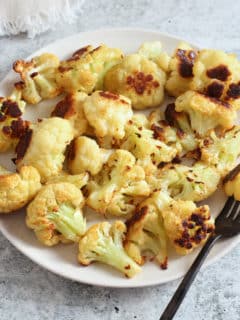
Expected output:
(147, 170)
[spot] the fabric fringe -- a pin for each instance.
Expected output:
(42, 21)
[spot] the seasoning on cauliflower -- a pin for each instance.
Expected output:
(221, 151)
(147, 144)
(38, 77)
(205, 113)
(108, 114)
(71, 108)
(186, 225)
(86, 69)
(55, 214)
(12, 127)
(153, 51)
(17, 189)
(217, 74)
(43, 146)
(84, 155)
(103, 242)
(139, 79)
(119, 187)
(79, 180)
(181, 70)
(231, 183)
(183, 182)
(146, 234)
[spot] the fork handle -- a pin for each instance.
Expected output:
(182, 290)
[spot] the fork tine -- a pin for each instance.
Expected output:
(226, 209)
(233, 213)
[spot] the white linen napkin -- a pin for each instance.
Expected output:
(35, 16)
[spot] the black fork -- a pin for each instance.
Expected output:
(227, 225)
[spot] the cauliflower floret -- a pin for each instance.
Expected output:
(153, 51)
(181, 70)
(231, 183)
(108, 114)
(71, 108)
(84, 154)
(145, 233)
(217, 74)
(17, 189)
(139, 79)
(86, 69)
(38, 77)
(79, 180)
(186, 225)
(221, 151)
(55, 214)
(205, 113)
(43, 146)
(103, 242)
(147, 144)
(119, 186)
(194, 183)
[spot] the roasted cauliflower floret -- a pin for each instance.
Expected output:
(148, 144)
(55, 214)
(146, 234)
(84, 155)
(217, 74)
(71, 108)
(231, 183)
(221, 151)
(119, 187)
(43, 146)
(38, 77)
(17, 189)
(79, 180)
(86, 69)
(183, 182)
(139, 79)
(186, 225)
(108, 114)
(205, 113)
(153, 51)
(103, 242)
(181, 70)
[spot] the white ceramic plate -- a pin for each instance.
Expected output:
(62, 259)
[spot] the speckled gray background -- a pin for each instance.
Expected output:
(30, 293)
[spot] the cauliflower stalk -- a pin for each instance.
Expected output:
(38, 77)
(103, 242)
(17, 189)
(55, 214)
(221, 151)
(118, 187)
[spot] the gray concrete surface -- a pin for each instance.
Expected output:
(27, 292)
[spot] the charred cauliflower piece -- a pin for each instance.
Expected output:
(193, 183)
(217, 74)
(119, 186)
(231, 183)
(139, 79)
(186, 225)
(108, 114)
(153, 51)
(205, 113)
(181, 70)
(86, 69)
(55, 214)
(149, 143)
(145, 233)
(38, 77)
(84, 155)
(12, 127)
(17, 189)
(103, 243)
(43, 146)
(221, 151)
(71, 108)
